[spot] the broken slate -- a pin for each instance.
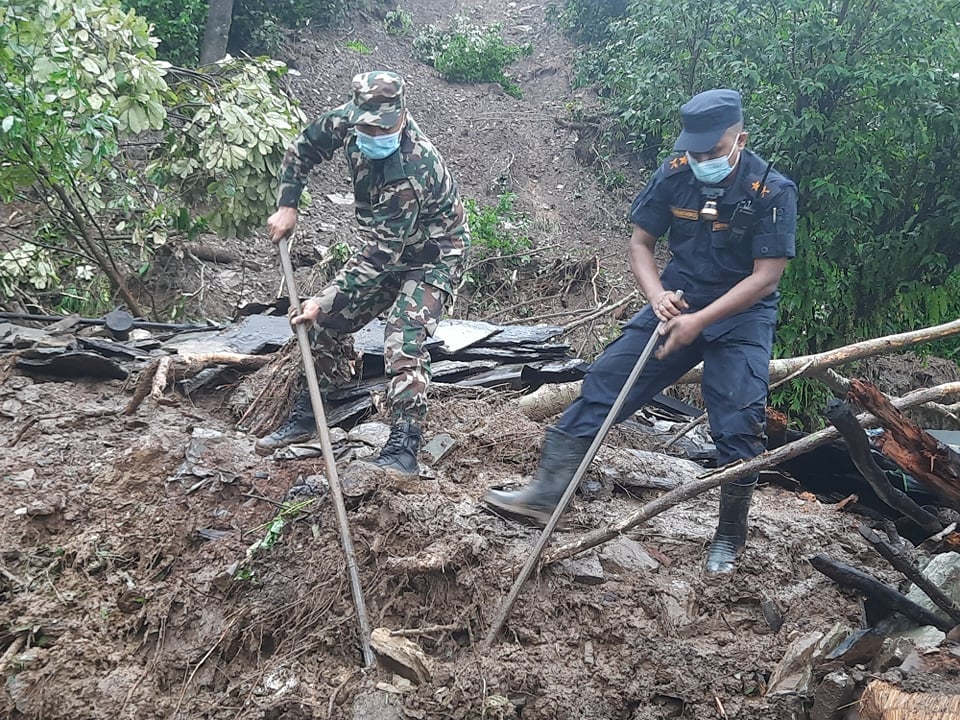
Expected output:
(834, 693)
(624, 556)
(793, 675)
(859, 647)
(586, 570)
(400, 655)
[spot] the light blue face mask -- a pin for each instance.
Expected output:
(715, 170)
(377, 147)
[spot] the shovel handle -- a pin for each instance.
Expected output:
(548, 529)
(334, 481)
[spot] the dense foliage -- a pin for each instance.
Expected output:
(256, 28)
(470, 53)
(858, 102)
(83, 108)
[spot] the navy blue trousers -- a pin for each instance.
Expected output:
(735, 382)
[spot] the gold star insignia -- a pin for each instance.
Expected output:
(675, 163)
(756, 186)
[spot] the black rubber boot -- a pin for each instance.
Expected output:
(400, 452)
(731, 535)
(300, 427)
(559, 459)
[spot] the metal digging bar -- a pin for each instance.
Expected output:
(325, 444)
(548, 529)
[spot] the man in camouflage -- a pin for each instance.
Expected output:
(414, 242)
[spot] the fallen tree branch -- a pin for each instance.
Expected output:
(869, 586)
(858, 448)
(154, 377)
(809, 365)
(906, 566)
(918, 453)
(733, 472)
(161, 376)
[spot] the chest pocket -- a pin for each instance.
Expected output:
(731, 252)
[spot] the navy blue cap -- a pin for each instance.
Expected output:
(706, 117)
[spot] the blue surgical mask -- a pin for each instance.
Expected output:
(377, 147)
(715, 170)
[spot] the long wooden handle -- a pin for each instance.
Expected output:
(335, 491)
(572, 486)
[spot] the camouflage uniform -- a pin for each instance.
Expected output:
(414, 233)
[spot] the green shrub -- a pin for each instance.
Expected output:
(498, 238)
(398, 22)
(470, 53)
(258, 24)
(179, 25)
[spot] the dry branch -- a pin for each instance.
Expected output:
(153, 378)
(806, 365)
(733, 472)
(906, 566)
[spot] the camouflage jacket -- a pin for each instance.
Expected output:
(408, 206)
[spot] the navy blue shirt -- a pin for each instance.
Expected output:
(708, 258)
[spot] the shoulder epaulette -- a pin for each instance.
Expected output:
(675, 164)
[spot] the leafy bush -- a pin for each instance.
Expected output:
(228, 155)
(257, 24)
(470, 53)
(84, 96)
(398, 22)
(498, 238)
(178, 23)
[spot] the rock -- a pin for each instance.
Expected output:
(924, 638)
(678, 604)
(944, 572)
(438, 447)
(892, 653)
(624, 556)
(374, 434)
(794, 673)
(860, 647)
(586, 571)
(834, 693)
(401, 656)
(373, 705)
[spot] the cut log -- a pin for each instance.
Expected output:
(869, 586)
(882, 701)
(840, 414)
(930, 462)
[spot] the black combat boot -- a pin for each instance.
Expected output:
(560, 457)
(731, 535)
(300, 427)
(400, 452)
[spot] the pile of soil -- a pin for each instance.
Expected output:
(131, 590)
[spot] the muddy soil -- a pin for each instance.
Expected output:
(130, 589)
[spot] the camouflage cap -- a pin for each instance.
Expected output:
(377, 99)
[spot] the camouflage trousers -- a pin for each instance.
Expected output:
(358, 294)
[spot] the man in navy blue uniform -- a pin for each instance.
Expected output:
(731, 223)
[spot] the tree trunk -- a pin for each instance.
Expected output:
(217, 32)
(930, 462)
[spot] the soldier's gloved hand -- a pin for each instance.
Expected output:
(281, 224)
(307, 313)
